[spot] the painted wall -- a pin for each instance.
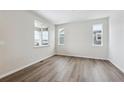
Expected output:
(116, 46)
(16, 41)
(78, 39)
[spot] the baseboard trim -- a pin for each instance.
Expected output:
(121, 69)
(16, 70)
(82, 57)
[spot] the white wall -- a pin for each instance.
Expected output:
(78, 39)
(16, 41)
(116, 46)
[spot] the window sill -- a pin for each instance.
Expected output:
(60, 44)
(41, 46)
(97, 45)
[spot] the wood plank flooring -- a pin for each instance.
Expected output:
(68, 69)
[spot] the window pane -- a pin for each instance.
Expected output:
(37, 35)
(97, 27)
(97, 39)
(62, 32)
(61, 36)
(45, 38)
(97, 34)
(61, 40)
(37, 24)
(37, 38)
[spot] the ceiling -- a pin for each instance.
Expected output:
(67, 16)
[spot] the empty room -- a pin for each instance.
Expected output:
(61, 46)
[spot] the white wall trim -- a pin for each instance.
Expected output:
(81, 56)
(121, 69)
(18, 69)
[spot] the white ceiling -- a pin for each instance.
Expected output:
(67, 16)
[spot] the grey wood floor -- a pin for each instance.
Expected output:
(68, 69)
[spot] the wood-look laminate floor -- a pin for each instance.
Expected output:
(68, 69)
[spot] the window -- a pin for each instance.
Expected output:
(45, 37)
(61, 36)
(98, 35)
(40, 34)
(37, 33)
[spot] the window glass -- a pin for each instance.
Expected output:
(97, 35)
(61, 36)
(40, 34)
(45, 38)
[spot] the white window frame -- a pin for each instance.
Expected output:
(59, 30)
(93, 35)
(41, 27)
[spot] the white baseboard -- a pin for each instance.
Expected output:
(121, 69)
(15, 70)
(82, 56)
